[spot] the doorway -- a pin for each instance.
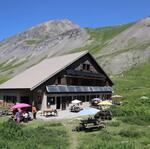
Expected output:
(58, 103)
(64, 102)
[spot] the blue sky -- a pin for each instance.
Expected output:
(18, 15)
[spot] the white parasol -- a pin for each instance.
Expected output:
(76, 101)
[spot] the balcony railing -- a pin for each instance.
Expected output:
(85, 74)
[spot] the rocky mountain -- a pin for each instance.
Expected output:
(35, 44)
(116, 48)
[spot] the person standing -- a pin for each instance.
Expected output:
(18, 116)
(34, 111)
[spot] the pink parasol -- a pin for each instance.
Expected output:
(20, 105)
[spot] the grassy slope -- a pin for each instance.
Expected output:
(135, 82)
(100, 36)
(132, 85)
(103, 34)
(9, 68)
(3, 79)
(34, 135)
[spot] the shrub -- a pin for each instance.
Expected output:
(132, 109)
(131, 133)
(109, 145)
(114, 123)
(117, 111)
(33, 41)
(105, 135)
(4, 145)
(17, 136)
(10, 130)
(55, 124)
(138, 120)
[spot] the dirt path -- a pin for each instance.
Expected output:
(73, 135)
(74, 140)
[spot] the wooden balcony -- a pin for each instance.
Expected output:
(84, 75)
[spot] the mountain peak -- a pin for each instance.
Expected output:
(56, 25)
(64, 22)
(50, 28)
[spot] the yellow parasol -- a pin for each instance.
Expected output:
(105, 103)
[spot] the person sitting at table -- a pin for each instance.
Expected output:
(25, 116)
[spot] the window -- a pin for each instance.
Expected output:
(86, 67)
(10, 99)
(59, 80)
(50, 101)
(24, 99)
(74, 81)
(81, 98)
(87, 98)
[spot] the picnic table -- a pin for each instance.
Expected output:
(50, 112)
(90, 124)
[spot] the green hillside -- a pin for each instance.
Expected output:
(100, 36)
(135, 82)
(3, 79)
(132, 85)
(104, 34)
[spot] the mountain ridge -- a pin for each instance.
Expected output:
(127, 45)
(44, 40)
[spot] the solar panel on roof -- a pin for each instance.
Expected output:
(76, 89)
